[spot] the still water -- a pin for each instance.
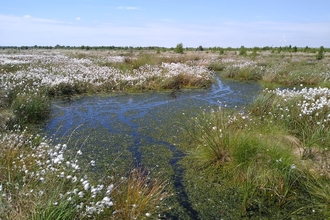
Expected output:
(141, 128)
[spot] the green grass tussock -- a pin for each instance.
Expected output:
(138, 197)
(256, 158)
(210, 136)
(30, 108)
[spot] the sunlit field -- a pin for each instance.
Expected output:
(270, 160)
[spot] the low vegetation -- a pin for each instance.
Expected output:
(277, 70)
(273, 157)
(42, 181)
(269, 160)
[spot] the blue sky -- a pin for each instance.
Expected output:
(165, 23)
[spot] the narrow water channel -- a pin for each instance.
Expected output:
(142, 128)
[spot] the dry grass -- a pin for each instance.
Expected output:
(139, 197)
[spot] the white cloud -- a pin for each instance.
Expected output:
(78, 18)
(27, 16)
(167, 20)
(129, 8)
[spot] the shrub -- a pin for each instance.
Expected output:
(200, 48)
(179, 48)
(320, 54)
(242, 51)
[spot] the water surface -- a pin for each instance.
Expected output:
(118, 113)
(141, 128)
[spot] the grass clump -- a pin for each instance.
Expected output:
(42, 181)
(246, 73)
(138, 197)
(39, 181)
(30, 108)
(254, 158)
(211, 138)
(304, 111)
(216, 66)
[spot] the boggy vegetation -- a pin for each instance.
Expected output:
(28, 81)
(255, 165)
(278, 70)
(268, 161)
(42, 181)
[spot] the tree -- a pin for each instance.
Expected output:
(306, 49)
(295, 49)
(320, 54)
(179, 48)
(242, 51)
(200, 48)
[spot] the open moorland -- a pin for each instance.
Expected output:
(270, 160)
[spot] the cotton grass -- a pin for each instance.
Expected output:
(34, 173)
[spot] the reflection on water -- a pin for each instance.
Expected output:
(105, 126)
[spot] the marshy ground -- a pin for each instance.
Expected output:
(208, 142)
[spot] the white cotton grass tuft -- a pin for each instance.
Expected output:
(71, 71)
(53, 168)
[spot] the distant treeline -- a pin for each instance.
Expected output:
(163, 49)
